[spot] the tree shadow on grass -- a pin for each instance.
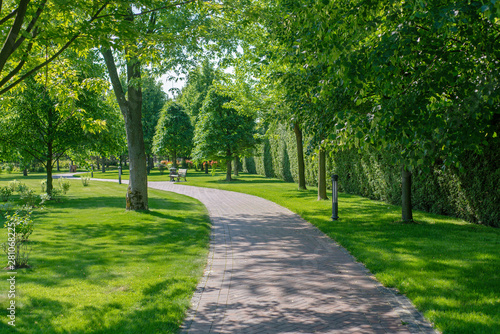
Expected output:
(37, 316)
(111, 245)
(159, 310)
(242, 181)
(71, 248)
(170, 203)
(243, 178)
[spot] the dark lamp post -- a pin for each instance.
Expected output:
(119, 174)
(335, 197)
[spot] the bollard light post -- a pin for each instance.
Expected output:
(119, 174)
(335, 197)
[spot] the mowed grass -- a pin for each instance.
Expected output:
(96, 268)
(450, 269)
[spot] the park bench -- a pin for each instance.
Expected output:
(181, 173)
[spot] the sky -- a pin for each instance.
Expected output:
(169, 84)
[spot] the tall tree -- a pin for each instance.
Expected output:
(174, 133)
(152, 33)
(153, 100)
(199, 82)
(221, 132)
(130, 106)
(37, 129)
(135, 29)
(281, 79)
(44, 123)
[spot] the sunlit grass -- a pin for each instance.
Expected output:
(96, 268)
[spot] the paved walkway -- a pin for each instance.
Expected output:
(269, 271)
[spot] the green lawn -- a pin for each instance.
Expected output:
(96, 268)
(450, 269)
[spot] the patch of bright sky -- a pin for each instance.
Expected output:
(173, 82)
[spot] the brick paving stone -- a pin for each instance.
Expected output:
(269, 271)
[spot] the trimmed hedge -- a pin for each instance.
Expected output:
(473, 195)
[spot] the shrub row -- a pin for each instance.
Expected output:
(473, 194)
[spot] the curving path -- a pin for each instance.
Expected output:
(269, 271)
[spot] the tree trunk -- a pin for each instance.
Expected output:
(236, 166)
(57, 164)
(407, 215)
(25, 172)
(229, 164)
(174, 159)
(149, 164)
(137, 192)
(206, 167)
(103, 164)
(322, 175)
(300, 157)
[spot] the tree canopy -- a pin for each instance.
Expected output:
(174, 132)
(221, 132)
(43, 121)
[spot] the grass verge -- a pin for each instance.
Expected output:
(449, 268)
(96, 268)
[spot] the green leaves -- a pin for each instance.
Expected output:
(222, 132)
(398, 71)
(174, 132)
(153, 100)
